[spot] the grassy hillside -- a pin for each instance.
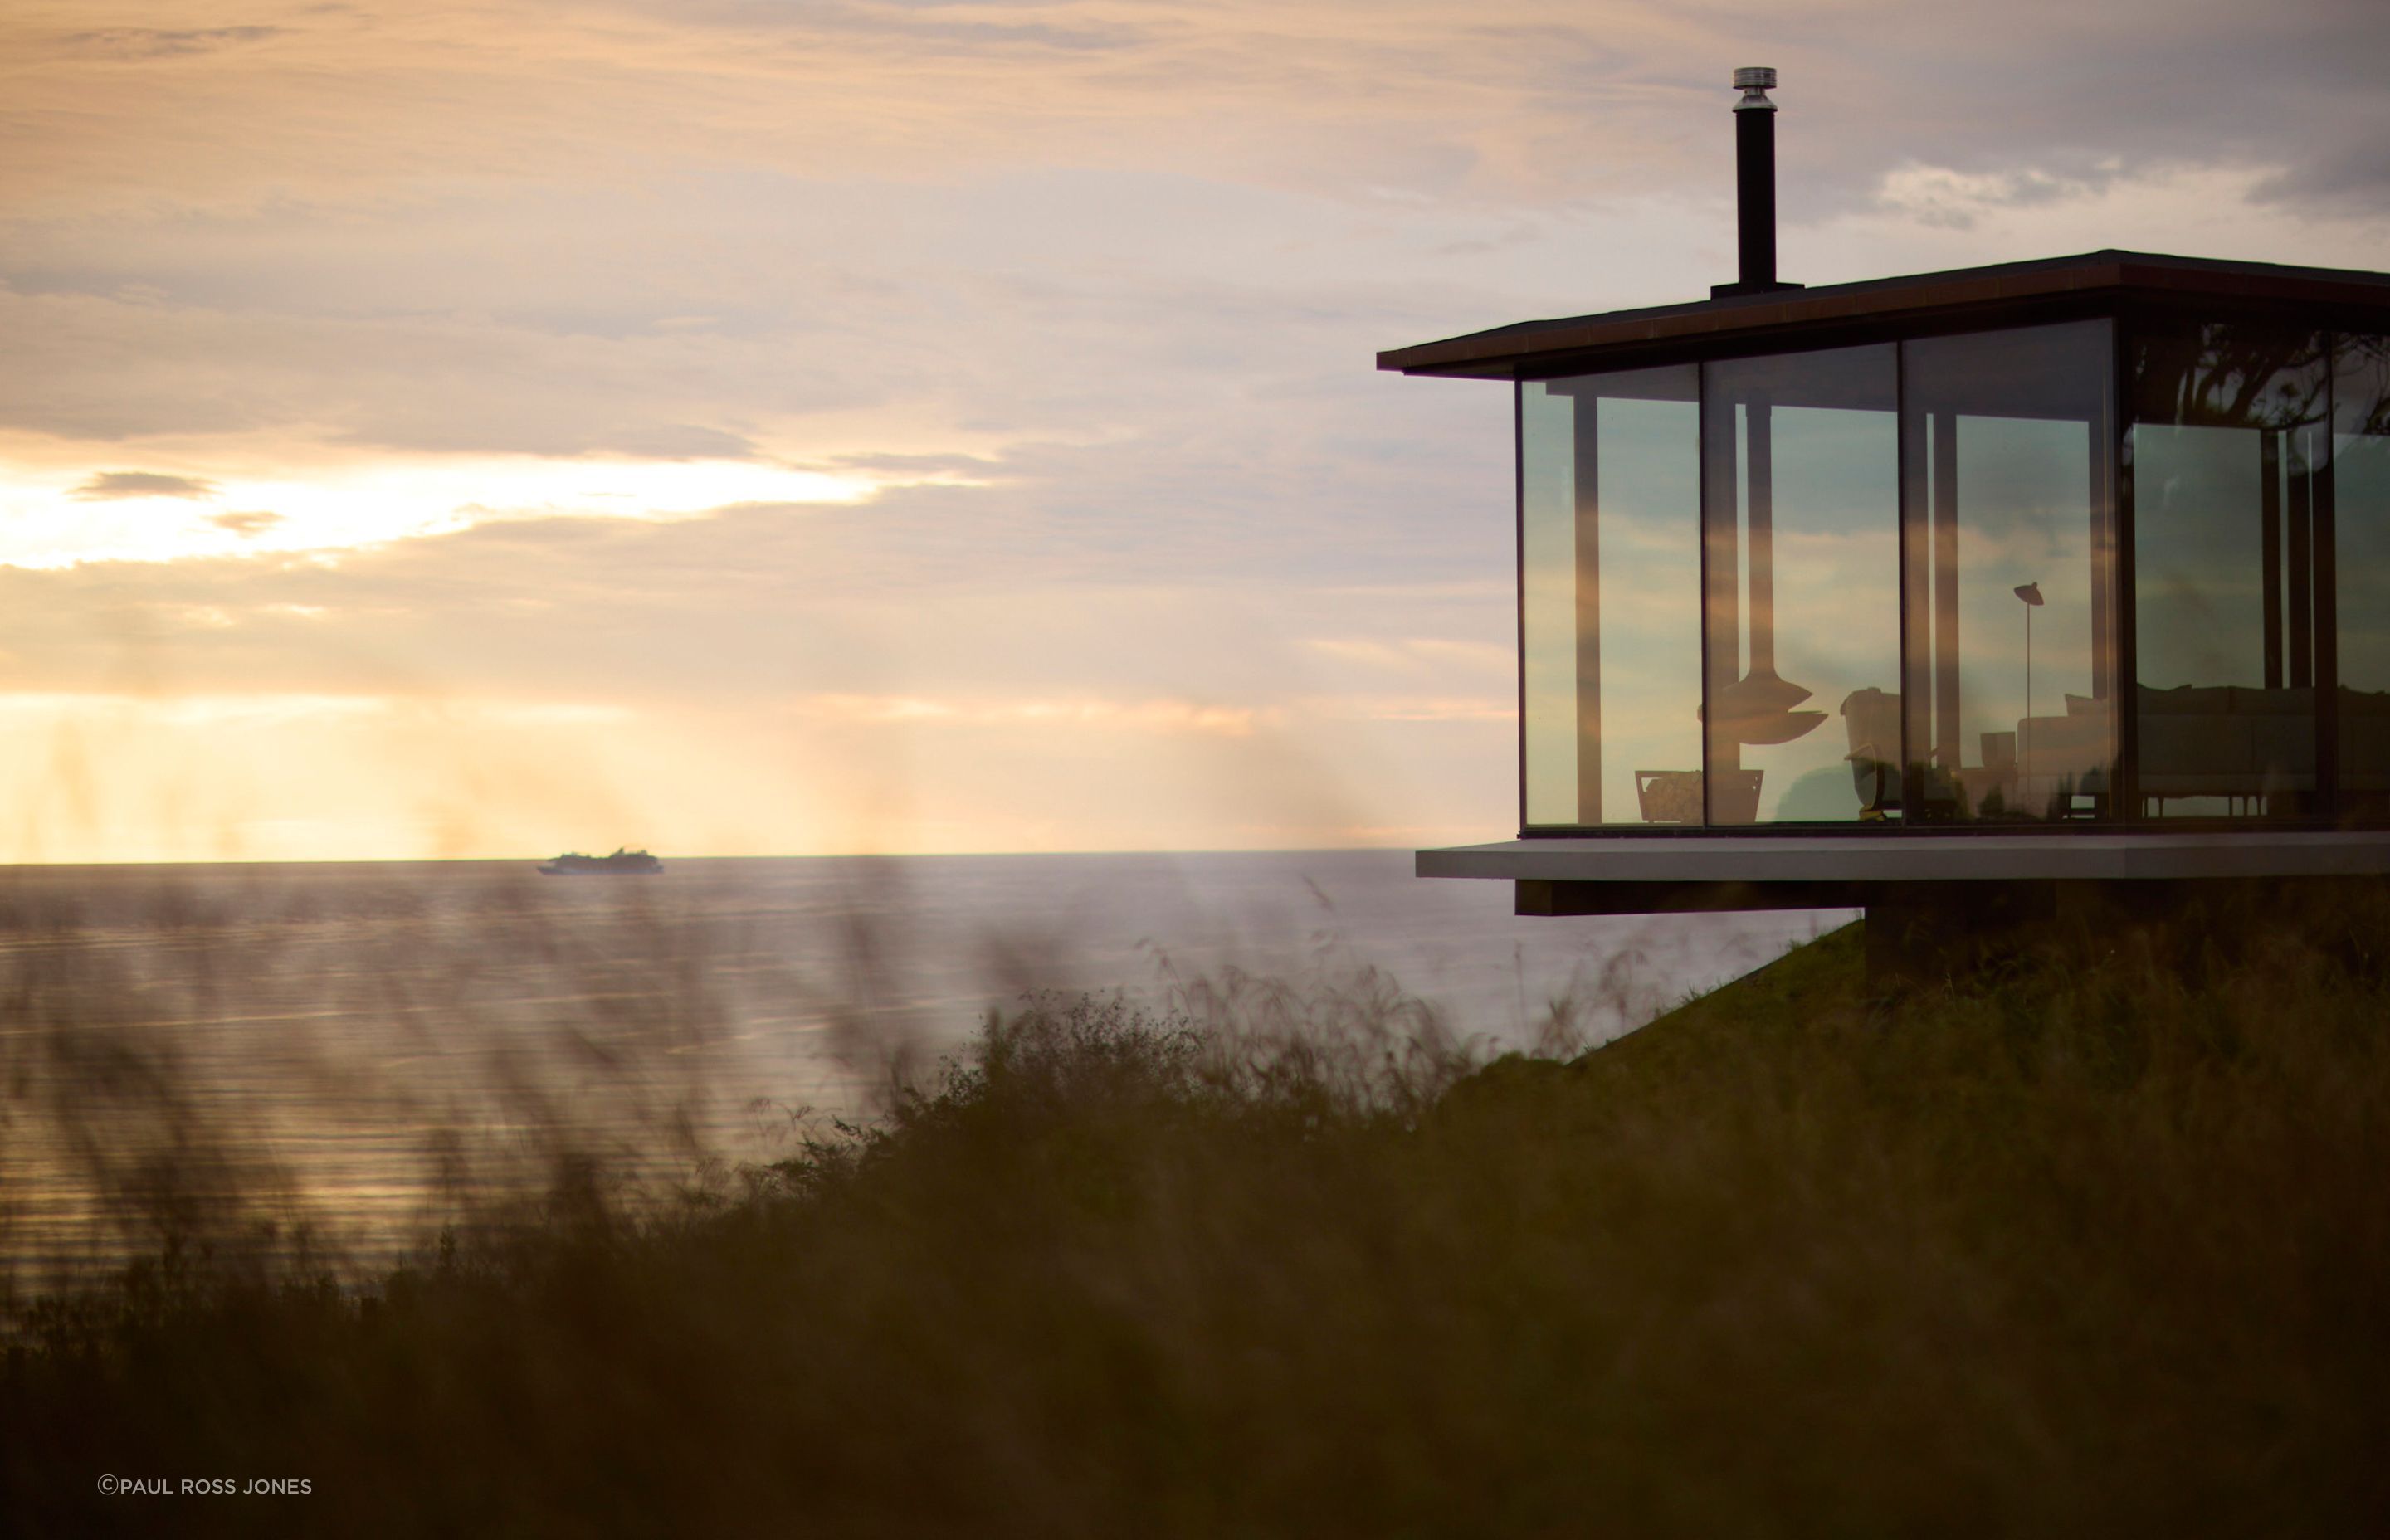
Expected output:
(2096, 1244)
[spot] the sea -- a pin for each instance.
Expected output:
(353, 1056)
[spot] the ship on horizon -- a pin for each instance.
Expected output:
(574, 864)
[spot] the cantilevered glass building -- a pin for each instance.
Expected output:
(2070, 569)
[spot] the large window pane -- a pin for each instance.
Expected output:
(2010, 646)
(2227, 449)
(2361, 482)
(1547, 605)
(1610, 579)
(1802, 606)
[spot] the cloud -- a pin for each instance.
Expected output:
(1516, 106)
(964, 468)
(2352, 176)
(251, 522)
(195, 710)
(1488, 708)
(1141, 716)
(784, 674)
(156, 43)
(110, 369)
(750, 609)
(1416, 656)
(1940, 197)
(112, 484)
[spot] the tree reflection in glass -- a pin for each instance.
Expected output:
(2360, 461)
(2227, 458)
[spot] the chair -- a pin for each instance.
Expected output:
(1872, 719)
(1675, 796)
(1669, 796)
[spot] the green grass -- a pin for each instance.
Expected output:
(2098, 1243)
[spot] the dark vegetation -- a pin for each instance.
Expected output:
(2097, 1243)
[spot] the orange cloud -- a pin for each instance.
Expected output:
(109, 485)
(1141, 716)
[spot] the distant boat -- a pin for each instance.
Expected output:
(621, 862)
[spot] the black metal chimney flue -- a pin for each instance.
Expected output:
(1754, 187)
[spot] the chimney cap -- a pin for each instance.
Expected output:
(1754, 77)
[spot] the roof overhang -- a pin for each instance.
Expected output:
(1992, 295)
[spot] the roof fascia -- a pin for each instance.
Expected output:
(2011, 294)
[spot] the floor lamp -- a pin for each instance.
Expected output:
(2031, 593)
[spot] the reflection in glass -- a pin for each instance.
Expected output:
(2227, 452)
(1803, 606)
(2360, 474)
(2010, 561)
(1610, 563)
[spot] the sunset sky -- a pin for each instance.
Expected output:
(744, 427)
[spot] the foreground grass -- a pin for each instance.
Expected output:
(2099, 1244)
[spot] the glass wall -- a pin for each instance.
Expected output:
(1884, 584)
(2360, 460)
(1802, 610)
(1610, 563)
(2227, 449)
(2012, 667)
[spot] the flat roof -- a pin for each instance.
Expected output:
(1905, 857)
(1504, 352)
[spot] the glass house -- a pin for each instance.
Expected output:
(2075, 568)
